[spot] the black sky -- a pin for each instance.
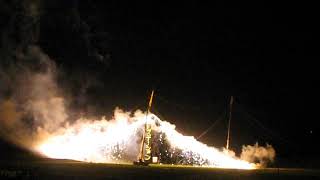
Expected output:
(195, 55)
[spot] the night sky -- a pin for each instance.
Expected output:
(195, 56)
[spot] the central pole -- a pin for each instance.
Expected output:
(230, 115)
(147, 130)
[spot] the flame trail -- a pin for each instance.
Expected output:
(117, 141)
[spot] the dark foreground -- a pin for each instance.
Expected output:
(65, 169)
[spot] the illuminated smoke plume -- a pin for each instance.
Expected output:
(34, 102)
(258, 154)
(30, 100)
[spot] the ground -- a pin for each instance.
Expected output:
(66, 169)
(17, 163)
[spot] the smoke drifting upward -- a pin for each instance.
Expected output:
(31, 100)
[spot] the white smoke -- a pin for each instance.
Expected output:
(258, 154)
(29, 96)
(35, 103)
(44, 103)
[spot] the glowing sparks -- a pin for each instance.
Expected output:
(92, 141)
(118, 141)
(200, 153)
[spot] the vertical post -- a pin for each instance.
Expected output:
(146, 135)
(150, 101)
(148, 154)
(229, 121)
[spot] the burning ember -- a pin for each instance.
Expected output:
(117, 141)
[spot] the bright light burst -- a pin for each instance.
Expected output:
(118, 140)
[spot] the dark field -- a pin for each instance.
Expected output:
(65, 169)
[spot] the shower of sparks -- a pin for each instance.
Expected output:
(117, 140)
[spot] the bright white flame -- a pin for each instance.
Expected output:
(118, 141)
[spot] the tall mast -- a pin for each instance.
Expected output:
(230, 115)
(146, 128)
(150, 102)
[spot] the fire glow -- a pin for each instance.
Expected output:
(117, 141)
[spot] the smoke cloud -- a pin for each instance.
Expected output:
(33, 101)
(30, 100)
(258, 154)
